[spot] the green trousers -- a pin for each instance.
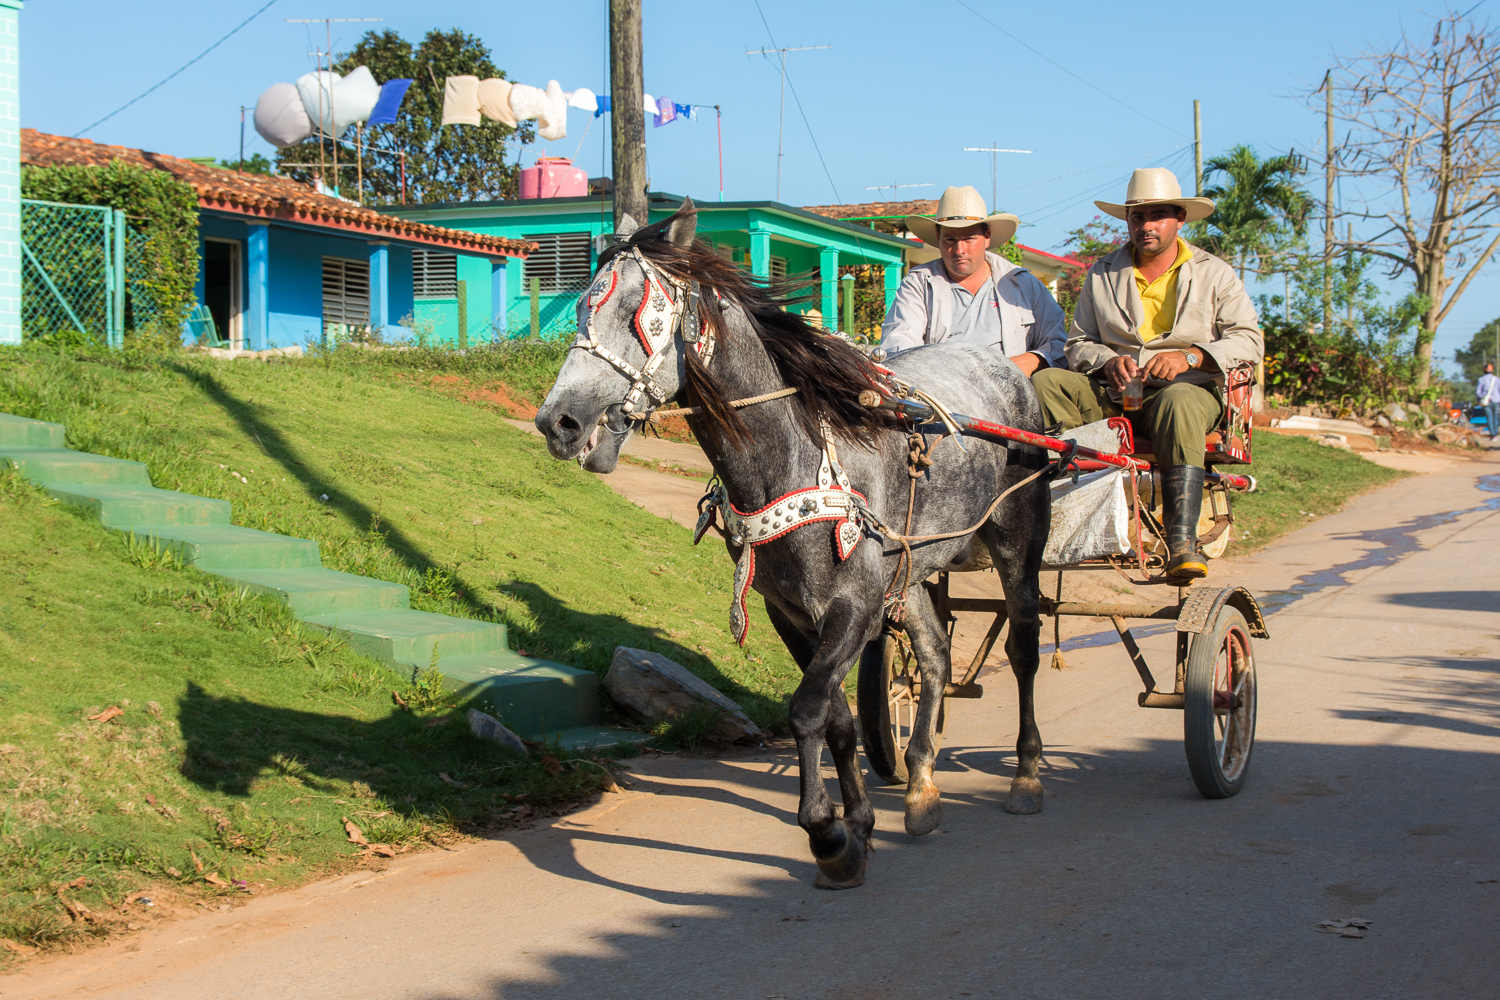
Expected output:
(1176, 417)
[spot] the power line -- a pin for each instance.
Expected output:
(1069, 202)
(179, 71)
(1054, 62)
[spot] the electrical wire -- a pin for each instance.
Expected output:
(1072, 200)
(184, 66)
(1054, 62)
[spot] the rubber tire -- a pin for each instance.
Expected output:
(1199, 721)
(872, 698)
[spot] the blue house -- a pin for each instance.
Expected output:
(768, 238)
(284, 265)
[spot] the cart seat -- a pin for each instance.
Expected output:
(1216, 450)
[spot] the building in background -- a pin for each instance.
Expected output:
(283, 265)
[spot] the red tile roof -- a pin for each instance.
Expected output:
(263, 197)
(876, 209)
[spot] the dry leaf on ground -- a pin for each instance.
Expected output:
(356, 835)
(551, 764)
(77, 883)
(212, 878)
(381, 850)
(450, 781)
(112, 712)
(400, 701)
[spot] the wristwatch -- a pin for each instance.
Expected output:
(1192, 358)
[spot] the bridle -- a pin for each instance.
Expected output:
(657, 319)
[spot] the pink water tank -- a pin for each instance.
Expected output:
(554, 177)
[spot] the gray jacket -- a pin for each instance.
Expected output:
(1030, 318)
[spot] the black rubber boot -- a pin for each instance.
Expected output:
(1182, 496)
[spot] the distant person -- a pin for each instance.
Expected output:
(1176, 316)
(1489, 398)
(970, 294)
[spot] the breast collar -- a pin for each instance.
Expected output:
(658, 317)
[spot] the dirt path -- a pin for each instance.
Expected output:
(1373, 795)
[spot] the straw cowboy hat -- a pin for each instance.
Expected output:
(960, 207)
(1157, 186)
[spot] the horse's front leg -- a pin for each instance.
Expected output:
(929, 641)
(1023, 613)
(820, 711)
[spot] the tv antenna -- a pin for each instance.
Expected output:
(994, 152)
(327, 23)
(781, 116)
(896, 187)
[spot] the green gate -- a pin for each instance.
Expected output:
(81, 271)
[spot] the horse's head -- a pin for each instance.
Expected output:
(628, 358)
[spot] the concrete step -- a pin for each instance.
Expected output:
(596, 737)
(533, 697)
(125, 506)
(61, 465)
(19, 432)
(409, 637)
(217, 547)
(322, 591)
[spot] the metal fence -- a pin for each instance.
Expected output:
(82, 271)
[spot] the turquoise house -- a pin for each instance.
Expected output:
(768, 238)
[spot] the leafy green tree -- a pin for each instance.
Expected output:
(442, 163)
(1098, 238)
(1257, 206)
(1484, 347)
(256, 164)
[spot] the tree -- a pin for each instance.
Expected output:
(1422, 123)
(1484, 347)
(1086, 244)
(256, 164)
(442, 163)
(1256, 206)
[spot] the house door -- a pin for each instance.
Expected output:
(221, 287)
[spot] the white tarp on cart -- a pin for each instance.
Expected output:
(1089, 519)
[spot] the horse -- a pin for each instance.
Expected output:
(665, 318)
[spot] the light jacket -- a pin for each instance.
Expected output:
(1030, 318)
(1213, 313)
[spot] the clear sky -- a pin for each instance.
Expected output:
(1102, 88)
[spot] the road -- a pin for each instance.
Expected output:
(1373, 795)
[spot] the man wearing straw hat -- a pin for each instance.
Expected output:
(971, 294)
(1176, 316)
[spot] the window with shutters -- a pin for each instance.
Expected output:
(346, 295)
(778, 267)
(561, 261)
(434, 275)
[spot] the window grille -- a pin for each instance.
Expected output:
(434, 275)
(346, 294)
(561, 260)
(778, 267)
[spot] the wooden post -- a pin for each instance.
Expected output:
(536, 306)
(463, 314)
(627, 119)
(1328, 169)
(1197, 149)
(848, 324)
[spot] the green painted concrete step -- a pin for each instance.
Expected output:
(405, 636)
(125, 506)
(62, 465)
(533, 697)
(23, 433)
(322, 591)
(597, 737)
(218, 547)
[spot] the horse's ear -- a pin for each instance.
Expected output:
(628, 225)
(684, 225)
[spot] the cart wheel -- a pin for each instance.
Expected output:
(1219, 705)
(887, 693)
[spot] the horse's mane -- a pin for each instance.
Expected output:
(828, 372)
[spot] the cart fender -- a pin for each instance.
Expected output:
(1201, 607)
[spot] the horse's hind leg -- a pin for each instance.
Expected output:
(1018, 575)
(929, 641)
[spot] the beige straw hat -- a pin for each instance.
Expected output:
(960, 207)
(1157, 186)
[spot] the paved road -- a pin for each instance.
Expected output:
(1373, 795)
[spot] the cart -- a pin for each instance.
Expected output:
(1213, 680)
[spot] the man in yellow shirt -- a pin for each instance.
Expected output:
(1178, 317)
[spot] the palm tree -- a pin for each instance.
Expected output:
(1257, 203)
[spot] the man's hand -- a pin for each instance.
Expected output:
(1028, 363)
(1166, 366)
(1120, 370)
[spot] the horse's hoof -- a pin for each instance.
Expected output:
(924, 809)
(1025, 797)
(845, 868)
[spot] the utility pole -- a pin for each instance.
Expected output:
(781, 116)
(1328, 171)
(626, 114)
(327, 23)
(1197, 149)
(994, 152)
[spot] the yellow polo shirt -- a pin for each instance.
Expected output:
(1159, 297)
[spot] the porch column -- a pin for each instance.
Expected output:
(892, 282)
(10, 172)
(257, 282)
(380, 286)
(760, 252)
(828, 274)
(499, 326)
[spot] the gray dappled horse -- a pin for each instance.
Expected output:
(636, 350)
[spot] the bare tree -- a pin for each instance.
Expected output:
(1422, 127)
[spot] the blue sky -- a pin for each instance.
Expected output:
(1102, 88)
